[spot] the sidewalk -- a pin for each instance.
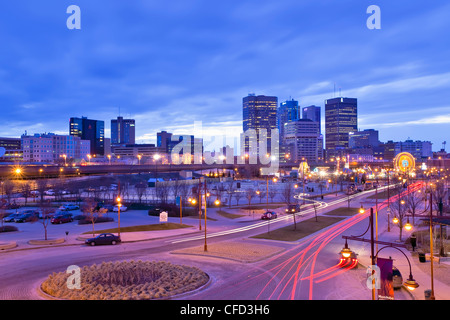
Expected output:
(421, 271)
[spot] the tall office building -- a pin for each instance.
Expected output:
(341, 117)
(92, 130)
(312, 113)
(163, 139)
(288, 111)
(305, 141)
(259, 114)
(123, 131)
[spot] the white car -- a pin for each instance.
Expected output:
(49, 192)
(68, 207)
(122, 208)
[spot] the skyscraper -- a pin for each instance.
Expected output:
(92, 130)
(288, 111)
(304, 138)
(123, 131)
(312, 113)
(341, 117)
(259, 114)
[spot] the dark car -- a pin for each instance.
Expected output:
(104, 238)
(397, 279)
(170, 209)
(269, 215)
(13, 205)
(26, 217)
(11, 217)
(64, 218)
(154, 211)
(292, 208)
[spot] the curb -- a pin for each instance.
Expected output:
(46, 242)
(8, 245)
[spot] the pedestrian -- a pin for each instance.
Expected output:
(413, 241)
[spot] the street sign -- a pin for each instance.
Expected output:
(163, 216)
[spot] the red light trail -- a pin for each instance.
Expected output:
(286, 277)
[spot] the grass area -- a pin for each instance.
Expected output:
(343, 211)
(261, 206)
(303, 229)
(382, 195)
(147, 227)
(229, 215)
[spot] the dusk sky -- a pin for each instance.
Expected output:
(170, 63)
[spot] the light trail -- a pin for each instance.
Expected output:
(278, 220)
(286, 276)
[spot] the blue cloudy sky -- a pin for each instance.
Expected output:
(169, 64)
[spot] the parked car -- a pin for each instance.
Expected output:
(64, 218)
(122, 208)
(35, 193)
(11, 217)
(154, 211)
(26, 217)
(292, 208)
(49, 214)
(49, 192)
(397, 279)
(69, 207)
(269, 215)
(33, 212)
(170, 209)
(108, 207)
(104, 238)
(13, 205)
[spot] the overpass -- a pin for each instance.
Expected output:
(54, 171)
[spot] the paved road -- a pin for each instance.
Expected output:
(304, 270)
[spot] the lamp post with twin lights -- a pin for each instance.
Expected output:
(411, 284)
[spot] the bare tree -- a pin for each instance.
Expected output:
(41, 186)
(272, 194)
(46, 214)
(287, 193)
(26, 191)
(261, 195)
(162, 193)
(221, 190)
(8, 189)
(141, 189)
(88, 208)
(249, 194)
(399, 211)
(230, 192)
(413, 202)
(238, 195)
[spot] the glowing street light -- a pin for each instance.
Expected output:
(119, 205)
(361, 210)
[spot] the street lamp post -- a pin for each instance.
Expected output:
(432, 297)
(119, 205)
(411, 284)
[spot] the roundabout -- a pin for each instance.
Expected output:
(124, 280)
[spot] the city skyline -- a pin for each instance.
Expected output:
(170, 67)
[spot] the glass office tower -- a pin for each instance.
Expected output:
(341, 117)
(92, 130)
